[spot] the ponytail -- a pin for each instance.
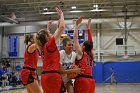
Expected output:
(41, 37)
(28, 39)
(88, 48)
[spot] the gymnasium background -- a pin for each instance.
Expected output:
(107, 52)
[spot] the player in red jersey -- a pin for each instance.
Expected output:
(84, 60)
(28, 76)
(90, 35)
(51, 79)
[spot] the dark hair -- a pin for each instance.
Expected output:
(28, 39)
(88, 47)
(41, 37)
(65, 40)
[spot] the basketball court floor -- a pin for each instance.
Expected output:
(102, 88)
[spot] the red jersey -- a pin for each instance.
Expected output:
(50, 56)
(86, 64)
(30, 59)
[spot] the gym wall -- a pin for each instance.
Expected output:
(125, 71)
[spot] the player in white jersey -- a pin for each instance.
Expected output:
(67, 58)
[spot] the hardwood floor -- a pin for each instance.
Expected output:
(102, 88)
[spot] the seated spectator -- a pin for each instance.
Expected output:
(13, 80)
(1, 71)
(19, 79)
(5, 81)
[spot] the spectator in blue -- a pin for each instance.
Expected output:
(1, 71)
(18, 67)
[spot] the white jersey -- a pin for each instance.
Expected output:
(67, 60)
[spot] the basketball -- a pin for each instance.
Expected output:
(72, 75)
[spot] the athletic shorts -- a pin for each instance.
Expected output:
(27, 76)
(52, 83)
(84, 85)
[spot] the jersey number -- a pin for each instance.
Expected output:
(89, 62)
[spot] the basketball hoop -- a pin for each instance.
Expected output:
(122, 52)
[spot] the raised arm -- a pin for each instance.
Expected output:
(49, 25)
(89, 30)
(90, 34)
(61, 25)
(76, 43)
(48, 29)
(32, 48)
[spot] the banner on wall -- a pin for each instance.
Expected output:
(13, 45)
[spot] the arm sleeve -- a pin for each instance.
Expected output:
(89, 35)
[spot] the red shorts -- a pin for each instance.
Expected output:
(51, 82)
(27, 76)
(84, 85)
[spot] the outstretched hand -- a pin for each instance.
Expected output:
(79, 20)
(59, 11)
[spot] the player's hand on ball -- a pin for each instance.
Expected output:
(75, 70)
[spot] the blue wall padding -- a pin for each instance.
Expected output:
(125, 72)
(98, 72)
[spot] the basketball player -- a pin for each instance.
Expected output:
(28, 76)
(90, 35)
(67, 58)
(51, 79)
(84, 83)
